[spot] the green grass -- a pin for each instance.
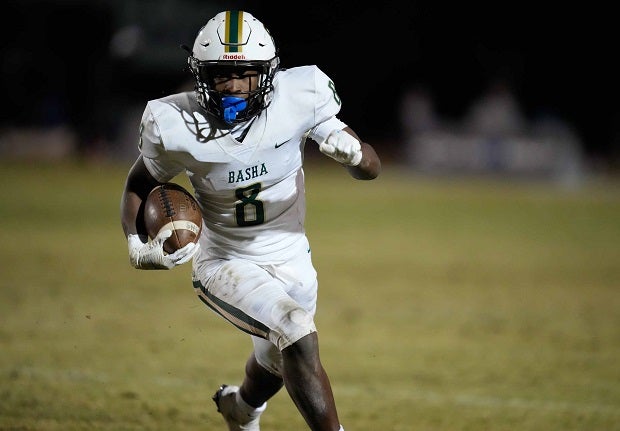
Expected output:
(444, 305)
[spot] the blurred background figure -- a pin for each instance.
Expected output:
(417, 117)
(417, 112)
(496, 114)
(494, 137)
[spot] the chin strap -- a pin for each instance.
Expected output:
(231, 106)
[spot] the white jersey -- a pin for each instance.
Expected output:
(251, 193)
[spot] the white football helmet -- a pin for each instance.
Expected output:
(233, 41)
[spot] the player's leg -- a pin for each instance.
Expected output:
(242, 406)
(259, 384)
(308, 384)
(298, 363)
(255, 301)
(277, 304)
(306, 380)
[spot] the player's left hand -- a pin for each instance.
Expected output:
(342, 147)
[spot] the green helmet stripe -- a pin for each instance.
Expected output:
(234, 28)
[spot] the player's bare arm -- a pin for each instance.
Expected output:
(369, 167)
(137, 187)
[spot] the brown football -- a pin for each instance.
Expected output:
(170, 206)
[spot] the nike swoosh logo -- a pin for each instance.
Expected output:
(281, 143)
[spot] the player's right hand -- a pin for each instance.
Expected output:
(151, 255)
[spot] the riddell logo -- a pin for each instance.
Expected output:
(233, 57)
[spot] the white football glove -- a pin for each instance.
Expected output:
(342, 147)
(151, 255)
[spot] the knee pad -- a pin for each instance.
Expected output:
(268, 356)
(293, 323)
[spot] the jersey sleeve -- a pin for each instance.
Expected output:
(153, 150)
(327, 106)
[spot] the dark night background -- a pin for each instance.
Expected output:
(58, 65)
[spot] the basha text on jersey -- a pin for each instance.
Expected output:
(247, 174)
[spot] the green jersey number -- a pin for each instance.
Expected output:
(250, 211)
(333, 88)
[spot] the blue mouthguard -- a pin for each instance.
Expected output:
(231, 106)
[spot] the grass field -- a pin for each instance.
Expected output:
(444, 305)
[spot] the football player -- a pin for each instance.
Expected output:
(240, 138)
